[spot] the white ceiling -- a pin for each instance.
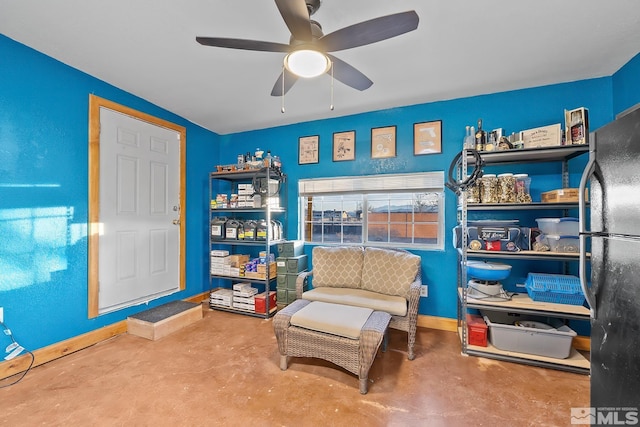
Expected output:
(461, 48)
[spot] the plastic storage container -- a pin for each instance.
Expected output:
(554, 342)
(507, 188)
(491, 271)
(489, 189)
(558, 226)
(523, 184)
(556, 288)
(565, 244)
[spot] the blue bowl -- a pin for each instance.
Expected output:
(491, 271)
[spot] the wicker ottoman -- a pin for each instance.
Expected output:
(353, 350)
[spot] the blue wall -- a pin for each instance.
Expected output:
(626, 85)
(513, 111)
(44, 180)
(43, 171)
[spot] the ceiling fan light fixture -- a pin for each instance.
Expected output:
(307, 63)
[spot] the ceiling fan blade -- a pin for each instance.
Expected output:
(289, 80)
(371, 31)
(243, 44)
(296, 16)
(349, 75)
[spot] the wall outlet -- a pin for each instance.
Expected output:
(2, 314)
(424, 291)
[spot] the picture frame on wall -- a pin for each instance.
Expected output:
(344, 146)
(308, 150)
(427, 138)
(383, 142)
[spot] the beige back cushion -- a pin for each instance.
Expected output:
(389, 272)
(337, 266)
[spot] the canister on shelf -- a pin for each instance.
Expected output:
(507, 187)
(473, 192)
(489, 191)
(523, 183)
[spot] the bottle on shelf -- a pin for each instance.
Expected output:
(469, 139)
(481, 137)
(268, 159)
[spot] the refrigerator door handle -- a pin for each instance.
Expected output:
(588, 293)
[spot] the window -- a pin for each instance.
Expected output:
(405, 210)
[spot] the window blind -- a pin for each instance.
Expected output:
(424, 181)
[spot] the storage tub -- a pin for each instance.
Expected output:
(491, 271)
(558, 226)
(565, 244)
(554, 342)
(556, 288)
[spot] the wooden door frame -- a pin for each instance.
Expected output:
(95, 103)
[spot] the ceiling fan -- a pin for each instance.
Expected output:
(308, 45)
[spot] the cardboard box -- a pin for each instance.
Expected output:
(242, 286)
(261, 273)
(219, 253)
(237, 260)
(261, 302)
(243, 306)
(562, 195)
(245, 293)
(262, 268)
(546, 136)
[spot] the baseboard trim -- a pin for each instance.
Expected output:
(71, 345)
(440, 323)
(451, 325)
(63, 348)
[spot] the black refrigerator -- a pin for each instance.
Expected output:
(612, 235)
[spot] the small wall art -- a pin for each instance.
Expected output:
(427, 138)
(308, 149)
(383, 142)
(344, 146)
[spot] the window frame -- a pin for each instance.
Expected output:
(369, 187)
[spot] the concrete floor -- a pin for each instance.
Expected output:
(223, 370)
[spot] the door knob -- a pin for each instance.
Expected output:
(176, 222)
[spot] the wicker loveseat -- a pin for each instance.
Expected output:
(386, 280)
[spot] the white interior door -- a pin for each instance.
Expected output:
(139, 244)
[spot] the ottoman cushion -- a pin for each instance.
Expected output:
(337, 319)
(394, 305)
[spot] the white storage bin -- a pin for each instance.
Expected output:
(558, 226)
(555, 342)
(564, 244)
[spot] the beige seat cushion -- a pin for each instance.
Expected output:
(389, 272)
(394, 305)
(337, 266)
(336, 319)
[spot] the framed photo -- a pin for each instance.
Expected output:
(308, 147)
(427, 138)
(383, 142)
(344, 146)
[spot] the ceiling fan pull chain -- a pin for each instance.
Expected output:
(331, 106)
(282, 108)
